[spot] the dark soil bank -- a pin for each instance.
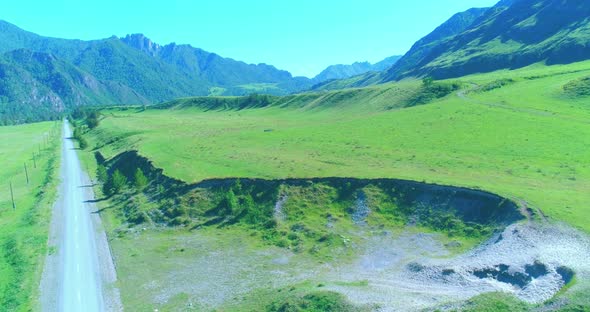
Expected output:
(419, 202)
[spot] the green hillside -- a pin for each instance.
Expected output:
(521, 134)
(61, 74)
(190, 69)
(113, 60)
(455, 177)
(207, 68)
(364, 80)
(512, 34)
(37, 86)
(422, 49)
(516, 133)
(135, 70)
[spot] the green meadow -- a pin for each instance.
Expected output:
(520, 134)
(24, 230)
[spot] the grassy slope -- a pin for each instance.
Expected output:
(363, 80)
(514, 36)
(508, 140)
(23, 232)
(525, 140)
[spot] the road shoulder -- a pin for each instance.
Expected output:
(108, 272)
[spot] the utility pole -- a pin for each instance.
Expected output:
(12, 196)
(27, 173)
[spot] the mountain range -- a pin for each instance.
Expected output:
(40, 77)
(41, 74)
(512, 34)
(509, 35)
(345, 71)
(457, 24)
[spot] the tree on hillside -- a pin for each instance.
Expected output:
(230, 203)
(119, 181)
(101, 174)
(141, 180)
(77, 133)
(427, 81)
(254, 215)
(92, 123)
(83, 143)
(93, 119)
(78, 113)
(115, 184)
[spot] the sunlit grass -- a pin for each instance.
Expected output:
(24, 230)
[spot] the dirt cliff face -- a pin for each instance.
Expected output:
(415, 202)
(362, 228)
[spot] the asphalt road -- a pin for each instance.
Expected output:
(80, 285)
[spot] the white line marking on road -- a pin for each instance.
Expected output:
(79, 297)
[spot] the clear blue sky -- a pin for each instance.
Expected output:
(302, 36)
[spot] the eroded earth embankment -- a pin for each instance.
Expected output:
(360, 230)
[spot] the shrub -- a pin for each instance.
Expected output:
(175, 211)
(92, 122)
(270, 224)
(253, 214)
(325, 301)
(431, 90)
(83, 143)
(180, 221)
(497, 84)
(77, 133)
(283, 243)
(78, 113)
(427, 81)
(133, 212)
(229, 203)
(578, 87)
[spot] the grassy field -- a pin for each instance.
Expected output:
(24, 230)
(527, 139)
(522, 134)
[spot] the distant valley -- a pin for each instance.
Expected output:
(335, 72)
(452, 178)
(40, 77)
